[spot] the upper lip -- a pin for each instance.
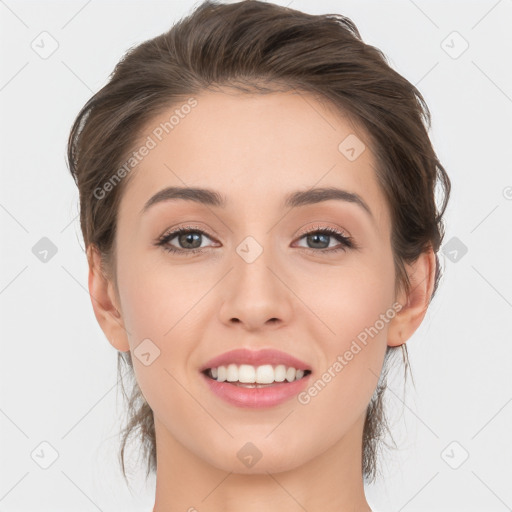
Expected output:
(256, 358)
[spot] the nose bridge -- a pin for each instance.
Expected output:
(254, 243)
(256, 295)
(253, 261)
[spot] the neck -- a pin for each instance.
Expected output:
(330, 481)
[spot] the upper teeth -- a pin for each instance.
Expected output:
(265, 374)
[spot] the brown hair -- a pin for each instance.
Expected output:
(260, 47)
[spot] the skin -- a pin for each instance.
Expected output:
(255, 149)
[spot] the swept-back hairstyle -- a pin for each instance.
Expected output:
(259, 47)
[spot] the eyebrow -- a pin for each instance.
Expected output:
(296, 199)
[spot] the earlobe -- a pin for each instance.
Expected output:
(414, 305)
(104, 302)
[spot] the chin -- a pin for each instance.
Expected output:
(257, 457)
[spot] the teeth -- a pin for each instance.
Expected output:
(232, 373)
(264, 374)
(221, 375)
(248, 374)
(280, 373)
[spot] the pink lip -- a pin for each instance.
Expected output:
(256, 397)
(255, 358)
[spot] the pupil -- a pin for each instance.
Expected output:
(317, 237)
(188, 238)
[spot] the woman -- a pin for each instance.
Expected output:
(257, 202)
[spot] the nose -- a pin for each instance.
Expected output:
(257, 294)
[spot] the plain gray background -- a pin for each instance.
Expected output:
(58, 371)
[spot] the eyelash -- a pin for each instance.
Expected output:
(346, 242)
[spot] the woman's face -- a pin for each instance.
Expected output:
(261, 281)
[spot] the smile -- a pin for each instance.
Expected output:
(255, 376)
(256, 395)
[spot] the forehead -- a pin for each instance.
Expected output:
(253, 148)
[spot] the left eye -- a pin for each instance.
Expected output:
(190, 240)
(321, 236)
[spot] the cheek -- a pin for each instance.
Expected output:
(352, 298)
(144, 320)
(356, 307)
(155, 300)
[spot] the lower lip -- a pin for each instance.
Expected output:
(268, 396)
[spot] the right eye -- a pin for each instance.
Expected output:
(185, 236)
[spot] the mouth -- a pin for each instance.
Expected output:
(249, 376)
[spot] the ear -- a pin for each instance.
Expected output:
(105, 302)
(414, 305)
